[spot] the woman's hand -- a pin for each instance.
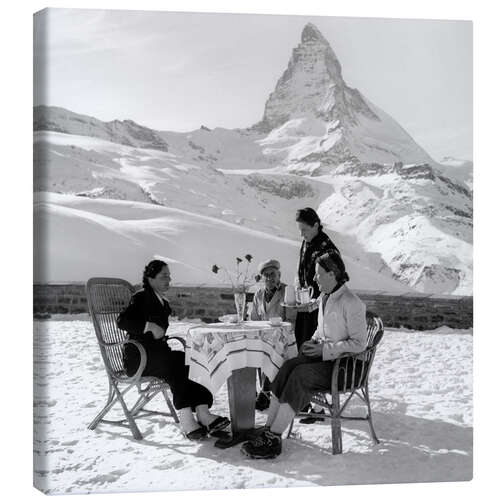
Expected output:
(157, 331)
(312, 349)
(309, 307)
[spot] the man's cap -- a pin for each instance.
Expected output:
(268, 263)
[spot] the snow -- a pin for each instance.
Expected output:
(299, 138)
(202, 168)
(390, 217)
(130, 233)
(421, 391)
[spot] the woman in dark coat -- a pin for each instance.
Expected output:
(314, 243)
(145, 320)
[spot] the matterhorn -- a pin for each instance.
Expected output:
(315, 122)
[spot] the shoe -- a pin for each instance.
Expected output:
(262, 402)
(198, 434)
(218, 424)
(312, 417)
(266, 445)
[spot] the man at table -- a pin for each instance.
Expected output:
(267, 301)
(341, 329)
(267, 304)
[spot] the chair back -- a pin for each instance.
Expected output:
(375, 331)
(106, 298)
(354, 374)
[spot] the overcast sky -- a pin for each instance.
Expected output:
(177, 71)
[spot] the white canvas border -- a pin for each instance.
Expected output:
(16, 255)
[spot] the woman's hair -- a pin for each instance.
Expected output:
(151, 270)
(332, 262)
(309, 217)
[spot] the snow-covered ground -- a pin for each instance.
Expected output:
(421, 389)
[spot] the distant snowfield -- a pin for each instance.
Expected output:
(87, 237)
(421, 390)
(177, 199)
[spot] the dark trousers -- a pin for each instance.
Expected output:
(170, 366)
(305, 326)
(299, 378)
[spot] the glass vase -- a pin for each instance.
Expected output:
(240, 299)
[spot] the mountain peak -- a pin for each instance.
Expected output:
(312, 84)
(312, 33)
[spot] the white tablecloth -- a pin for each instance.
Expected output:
(213, 351)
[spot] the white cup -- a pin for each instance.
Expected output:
(275, 321)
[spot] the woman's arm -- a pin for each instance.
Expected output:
(132, 318)
(355, 317)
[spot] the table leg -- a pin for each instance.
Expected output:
(241, 392)
(241, 395)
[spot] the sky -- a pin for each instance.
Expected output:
(178, 71)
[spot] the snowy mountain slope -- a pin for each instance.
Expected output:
(457, 169)
(78, 228)
(92, 167)
(125, 132)
(412, 225)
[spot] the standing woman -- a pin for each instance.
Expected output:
(315, 242)
(145, 320)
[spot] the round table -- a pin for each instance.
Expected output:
(219, 352)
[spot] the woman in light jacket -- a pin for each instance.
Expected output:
(341, 329)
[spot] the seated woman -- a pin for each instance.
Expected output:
(145, 319)
(341, 329)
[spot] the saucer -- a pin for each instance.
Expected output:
(229, 319)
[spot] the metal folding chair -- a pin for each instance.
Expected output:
(106, 298)
(350, 379)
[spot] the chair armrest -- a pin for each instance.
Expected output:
(142, 364)
(113, 344)
(354, 357)
(180, 339)
(144, 358)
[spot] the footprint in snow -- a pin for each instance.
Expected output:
(70, 443)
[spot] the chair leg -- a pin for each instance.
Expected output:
(369, 416)
(290, 429)
(170, 405)
(133, 426)
(111, 401)
(336, 425)
(139, 405)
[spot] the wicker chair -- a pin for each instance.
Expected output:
(357, 384)
(106, 298)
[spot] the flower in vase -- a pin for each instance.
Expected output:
(240, 279)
